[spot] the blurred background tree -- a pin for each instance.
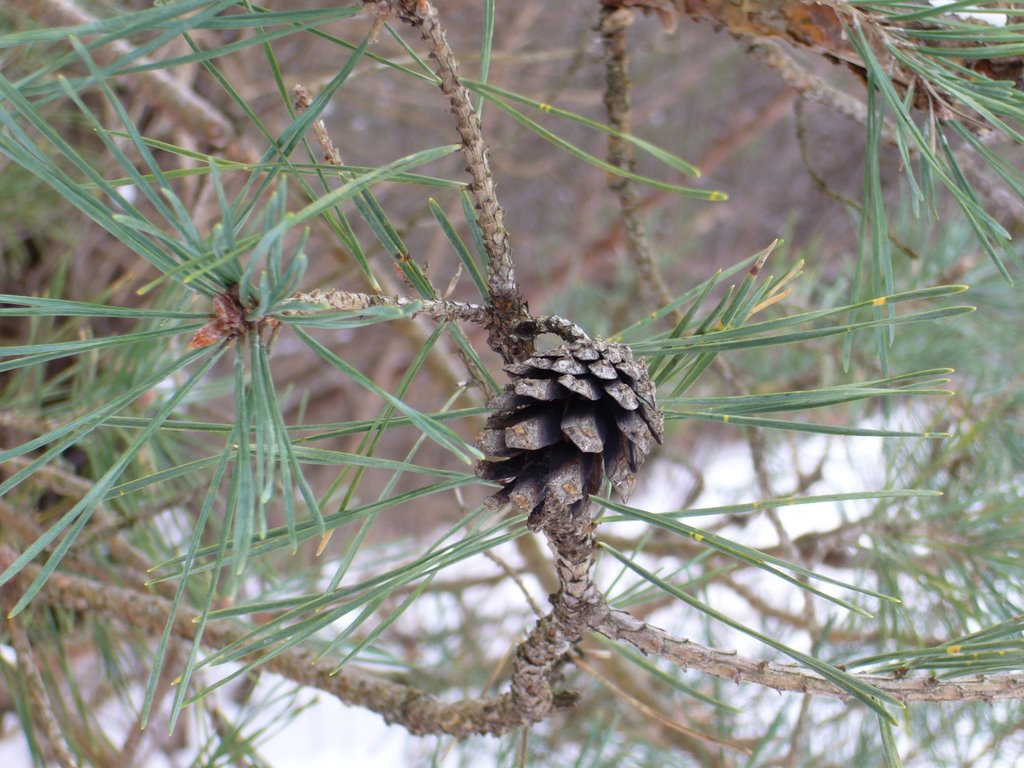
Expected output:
(254, 310)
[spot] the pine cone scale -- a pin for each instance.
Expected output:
(529, 489)
(534, 432)
(492, 442)
(570, 366)
(540, 389)
(566, 483)
(604, 370)
(623, 394)
(501, 470)
(587, 388)
(584, 427)
(633, 426)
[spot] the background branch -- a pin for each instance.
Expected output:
(613, 25)
(162, 91)
(42, 709)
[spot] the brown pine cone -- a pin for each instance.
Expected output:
(569, 417)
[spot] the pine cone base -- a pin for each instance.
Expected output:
(568, 418)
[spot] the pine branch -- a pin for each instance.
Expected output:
(823, 29)
(405, 705)
(347, 301)
(619, 625)
(570, 537)
(569, 418)
(816, 89)
(613, 25)
(507, 308)
(577, 605)
(578, 608)
(807, 84)
(440, 310)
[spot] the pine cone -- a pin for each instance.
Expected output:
(569, 417)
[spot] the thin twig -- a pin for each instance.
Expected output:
(438, 310)
(613, 25)
(836, 636)
(758, 456)
(39, 699)
(129, 753)
(653, 714)
(796, 737)
(348, 301)
(302, 101)
(507, 307)
(802, 81)
(105, 526)
(742, 132)
(510, 573)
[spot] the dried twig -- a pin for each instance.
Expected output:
(302, 102)
(347, 301)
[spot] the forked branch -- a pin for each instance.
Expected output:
(507, 309)
(422, 714)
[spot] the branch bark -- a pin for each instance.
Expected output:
(507, 310)
(613, 25)
(439, 310)
(619, 625)
(579, 609)
(405, 705)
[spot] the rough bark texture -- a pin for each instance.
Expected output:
(508, 311)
